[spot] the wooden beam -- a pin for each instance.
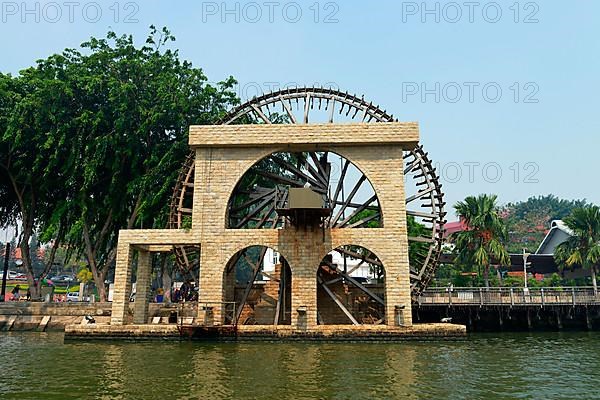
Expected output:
(359, 256)
(420, 194)
(296, 171)
(360, 223)
(361, 287)
(349, 199)
(256, 270)
(340, 184)
(261, 206)
(272, 277)
(288, 110)
(362, 207)
(320, 168)
(260, 114)
(252, 201)
(306, 108)
(337, 301)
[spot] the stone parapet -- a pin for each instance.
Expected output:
(311, 135)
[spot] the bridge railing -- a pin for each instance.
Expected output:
(509, 296)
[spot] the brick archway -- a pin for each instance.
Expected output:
(238, 191)
(257, 288)
(351, 286)
(225, 152)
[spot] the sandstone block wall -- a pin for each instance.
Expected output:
(221, 162)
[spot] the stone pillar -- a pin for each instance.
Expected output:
(384, 167)
(120, 305)
(210, 297)
(142, 288)
(397, 291)
(304, 248)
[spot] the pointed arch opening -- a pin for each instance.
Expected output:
(346, 191)
(257, 284)
(351, 288)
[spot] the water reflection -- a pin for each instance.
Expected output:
(208, 377)
(40, 366)
(112, 377)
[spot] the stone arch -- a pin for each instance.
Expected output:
(224, 167)
(351, 287)
(239, 194)
(362, 158)
(257, 282)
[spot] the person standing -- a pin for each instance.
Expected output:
(15, 293)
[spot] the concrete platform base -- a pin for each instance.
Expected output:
(266, 332)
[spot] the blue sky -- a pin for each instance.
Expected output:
(544, 59)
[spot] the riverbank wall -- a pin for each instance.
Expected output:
(334, 333)
(91, 321)
(28, 316)
(507, 318)
(24, 316)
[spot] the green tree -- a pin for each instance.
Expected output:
(528, 221)
(33, 159)
(583, 248)
(137, 104)
(92, 141)
(483, 242)
(9, 203)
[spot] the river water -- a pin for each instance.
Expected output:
(500, 366)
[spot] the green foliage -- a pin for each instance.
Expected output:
(186, 222)
(417, 251)
(483, 242)
(556, 208)
(528, 221)
(374, 223)
(84, 275)
(92, 139)
(582, 249)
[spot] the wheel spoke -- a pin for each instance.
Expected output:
(296, 171)
(254, 211)
(356, 211)
(288, 110)
(260, 114)
(349, 199)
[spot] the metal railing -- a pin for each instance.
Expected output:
(509, 296)
(226, 308)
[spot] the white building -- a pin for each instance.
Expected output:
(354, 266)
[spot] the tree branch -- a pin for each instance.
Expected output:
(135, 211)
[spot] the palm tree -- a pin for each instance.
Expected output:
(483, 241)
(583, 247)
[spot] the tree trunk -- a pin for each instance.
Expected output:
(99, 278)
(499, 276)
(34, 286)
(486, 276)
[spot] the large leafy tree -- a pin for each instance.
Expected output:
(9, 206)
(482, 243)
(97, 137)
(583, 247)
(34, 158)
(528, 221)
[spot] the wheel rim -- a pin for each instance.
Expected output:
(424, 196)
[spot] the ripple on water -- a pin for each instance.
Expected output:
(511, 366)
